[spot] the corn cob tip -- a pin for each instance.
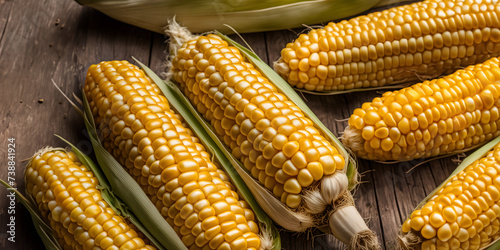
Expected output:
(281, 67)
(352, 138)
(410, 241)
(40, 152)
(287, 218)
(178, 35)
(266, 237)
(365, 240)
(44, 150)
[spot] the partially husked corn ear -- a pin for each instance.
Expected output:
(277, 148)
(432, 118)
(266, 132)
(67, 195)
(464, 213)
(138, 127)
(401, 44)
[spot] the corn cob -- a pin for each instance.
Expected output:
(432, 118)
(272, 138)
(141, 131)
(463, 214)
(66, 194)
(401, 44)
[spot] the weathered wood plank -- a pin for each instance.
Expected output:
(32, 113)
(159, 53)
(277, 40)
(368, 200)
(409, 189)
(42, 41)
(256, 41)
(5, 15)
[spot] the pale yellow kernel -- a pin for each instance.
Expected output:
(304, 177)
(449, 214)
(406, 227)
(444, 232)
(292, 186)
(436, 220)
(371, 118)
(368, 132)
(316, 170)
(387, 144)
(289, 168)
(428, 231)
(382, 132)
(293, 200)
(290, 148)
(417, 223)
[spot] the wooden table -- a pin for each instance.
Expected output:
(47, 40)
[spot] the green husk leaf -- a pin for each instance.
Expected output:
(44, 231)
(200, 127)
(245, 16)
(284, 88)
(383, 3)
(494, 245)
(127, 189)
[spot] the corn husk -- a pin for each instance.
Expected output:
(243, 15)
(355, 235)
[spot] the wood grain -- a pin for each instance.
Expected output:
(41, 41)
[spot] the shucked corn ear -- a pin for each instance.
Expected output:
(436, 117)
(67, 195)
(401, 44)
(138, 127)
(243, 15)
(272, 138)
(464, 213)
